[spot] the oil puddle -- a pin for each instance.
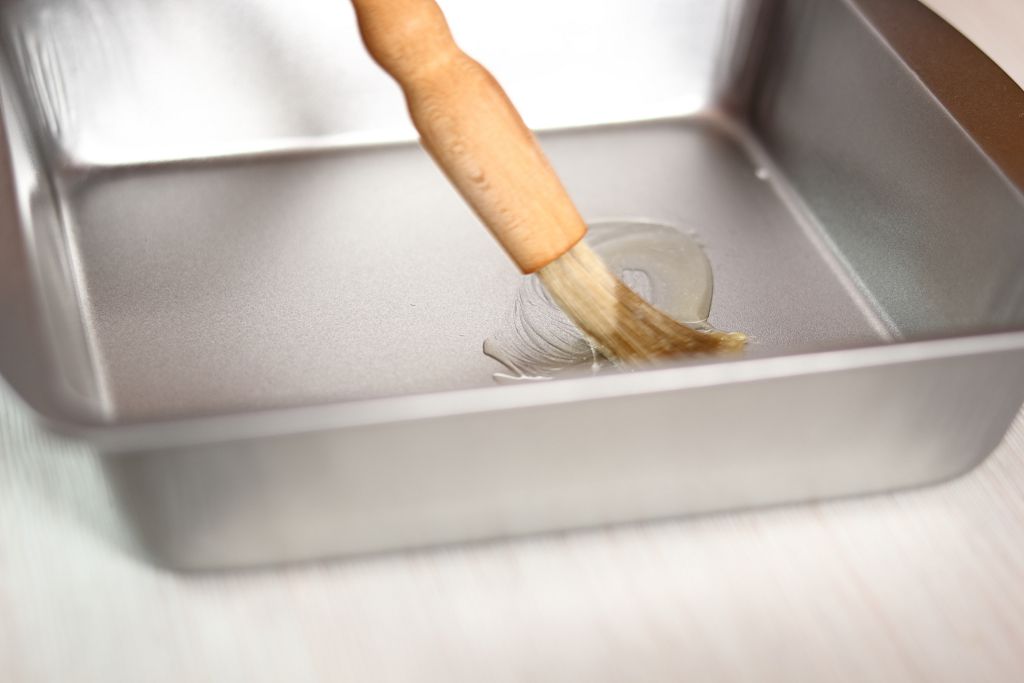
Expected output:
(664, 265)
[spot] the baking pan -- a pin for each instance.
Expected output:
(225, 261)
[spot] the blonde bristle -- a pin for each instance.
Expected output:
(624, 326)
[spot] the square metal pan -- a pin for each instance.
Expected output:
(224, 260)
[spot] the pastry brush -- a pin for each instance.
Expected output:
(475, 135)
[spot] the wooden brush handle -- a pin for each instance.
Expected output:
(470, 128)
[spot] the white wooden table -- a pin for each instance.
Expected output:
(923, 585)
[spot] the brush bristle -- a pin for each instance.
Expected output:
(622, 325)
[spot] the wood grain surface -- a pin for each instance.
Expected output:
(924, 585)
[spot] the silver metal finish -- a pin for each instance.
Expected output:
(226, 260)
